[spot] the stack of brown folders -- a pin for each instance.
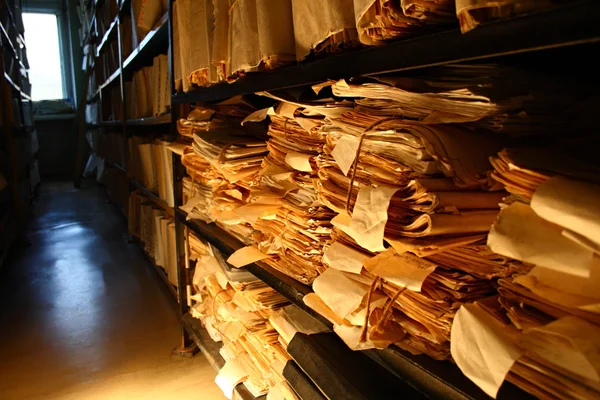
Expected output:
(542, 331)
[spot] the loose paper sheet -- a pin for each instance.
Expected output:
(314, 301)
(344, 258)
(251, 212)
(342, 294)
(344, 152)
(246, 255)
(230, 376)
(571, 204)
(405, 269)
(481, 347)
(565, 289)
(298, 161)
(521, 234)
(351, 336)
(570, 342)
(370, 216)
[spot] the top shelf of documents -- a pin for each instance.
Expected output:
(558, 27)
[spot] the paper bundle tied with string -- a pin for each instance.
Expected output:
(549, 315)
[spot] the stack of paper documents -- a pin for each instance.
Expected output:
(472, 13)
(156, 230)
(151, 164)
(224, 163)
(543, 328)
(297, 228)
(237, 313)
(379, 20)
(328, 31)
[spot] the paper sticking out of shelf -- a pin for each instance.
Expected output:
(231, 375)
(565, 289)
(246, 255)
(521, 234)
(571, 204)
(341, 294)
(482, 348)
(570, 342)
(344, 258)
(344, 152)
(177, 147)
(402, 269)
(291, 320)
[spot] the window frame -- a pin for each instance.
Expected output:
(63, 44)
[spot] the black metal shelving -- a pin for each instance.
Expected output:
(558, 27)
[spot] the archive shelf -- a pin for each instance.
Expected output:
(112, 29)
(155, 42)
(150, 121)
(554, 28)
(152, 196)
(438, 378)
(159, 270)
(559, 27)
(18, 192)
(210, 350)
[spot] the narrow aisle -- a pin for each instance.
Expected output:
(83, 316)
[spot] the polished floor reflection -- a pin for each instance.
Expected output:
(82, 315)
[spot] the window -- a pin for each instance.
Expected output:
(44, 54)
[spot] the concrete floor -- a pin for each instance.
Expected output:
(82, 314)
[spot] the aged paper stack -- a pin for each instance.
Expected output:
(230, 38)
(415, 202)
(472, 13)
(542, 333)
(294, 232)
(235, 310)
(150, 162)
(380, 20)
(156, 231)
(148, 93)
(223, 161)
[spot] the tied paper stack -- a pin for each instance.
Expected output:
(291, 224)
(415, 200)
(156, 231)
(223, 162)
(235, 308)
(543, 332)
(380, 20)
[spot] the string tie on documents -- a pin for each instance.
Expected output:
(355, 163)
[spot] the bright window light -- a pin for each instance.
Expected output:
(43, 53)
